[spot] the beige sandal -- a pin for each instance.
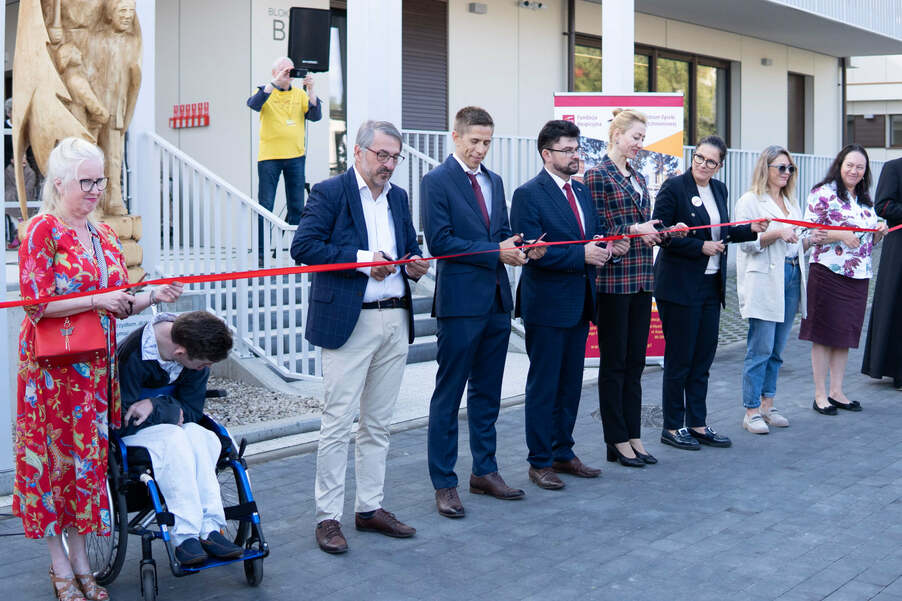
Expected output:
(70, 590)
(90, 588)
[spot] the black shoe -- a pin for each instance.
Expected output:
(216, 545)
(828, 410)
(615, 455)
(897, 383)
(850, 406)
(648, 459)
(190, 552)
(711, 438)
(680, 439)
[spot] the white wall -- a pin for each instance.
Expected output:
(509, 61)
(218, 51)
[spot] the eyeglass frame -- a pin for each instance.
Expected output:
(100, 182)
(705, 162)
(565, 151)
(398, 158)
(783, 168)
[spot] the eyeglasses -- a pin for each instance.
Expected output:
(784, 168)
(87, 184)
(570, 151)
(709, 163)
(383, 157)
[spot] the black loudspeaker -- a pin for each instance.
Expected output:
(309, 30)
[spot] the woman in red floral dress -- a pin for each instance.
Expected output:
(64, 413)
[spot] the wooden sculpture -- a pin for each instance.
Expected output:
(77, 72)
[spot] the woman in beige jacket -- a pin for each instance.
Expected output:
(770, 276)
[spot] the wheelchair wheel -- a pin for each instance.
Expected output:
(253, 571)
(148, 583)
(232, 494)
(106, 554)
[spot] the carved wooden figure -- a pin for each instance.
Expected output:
(77, 72)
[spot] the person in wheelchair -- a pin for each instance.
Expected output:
(163, 373)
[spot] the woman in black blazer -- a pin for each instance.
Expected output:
(690, 276)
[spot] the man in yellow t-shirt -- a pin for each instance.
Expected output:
(283, 110)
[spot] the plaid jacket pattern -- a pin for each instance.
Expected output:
(619, 206)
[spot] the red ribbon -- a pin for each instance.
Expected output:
(277, 271)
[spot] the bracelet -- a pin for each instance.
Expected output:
(92, 302)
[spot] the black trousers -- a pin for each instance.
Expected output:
(623, 321)
(690, 337)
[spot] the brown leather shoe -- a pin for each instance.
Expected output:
(544, 477)
(575, 467)
(493, 484)
(385, 523)
(448, 503)
(329, 537)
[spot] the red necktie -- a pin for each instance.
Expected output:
(480, 199)
(572, 200)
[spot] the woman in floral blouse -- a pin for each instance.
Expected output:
(63, 413)
(839, 273)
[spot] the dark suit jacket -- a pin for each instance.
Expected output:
(680, 266)
(888, 201)
(464, 286)
(332, 230)
(553, 290)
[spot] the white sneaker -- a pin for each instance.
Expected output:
(755, 424)
(775, 418)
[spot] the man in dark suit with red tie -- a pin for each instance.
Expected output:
(556, 299)
(464, 212)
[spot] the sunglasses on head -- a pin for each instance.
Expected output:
(784, 168)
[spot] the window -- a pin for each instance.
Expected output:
(704, 82)
(895, 130)
(868, 130)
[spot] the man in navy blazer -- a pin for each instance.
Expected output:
(465, 212)
(362, 320)
(556, 299)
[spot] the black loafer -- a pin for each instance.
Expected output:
(219, 546)
(828, 410)
(850, 406)
(680, 440)
(190, 552)
(711, 438)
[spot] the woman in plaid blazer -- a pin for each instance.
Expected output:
(624, 289)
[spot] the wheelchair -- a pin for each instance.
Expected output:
(138, 508)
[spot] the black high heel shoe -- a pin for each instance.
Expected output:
(616, 455)
(646, 458)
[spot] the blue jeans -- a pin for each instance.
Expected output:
(766, 341)
(268, 173)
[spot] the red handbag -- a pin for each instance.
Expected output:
(75, 338)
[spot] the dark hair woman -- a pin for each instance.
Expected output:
(840, 269)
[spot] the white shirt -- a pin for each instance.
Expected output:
(150, 350)
(560, 184)
(710, 205)
(482, 178)
(380, 231)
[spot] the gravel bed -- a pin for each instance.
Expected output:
(248, 404)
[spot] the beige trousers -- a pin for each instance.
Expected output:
(365, 372)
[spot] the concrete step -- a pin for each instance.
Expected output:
(423, 349)
(424, 325)
(422, 304)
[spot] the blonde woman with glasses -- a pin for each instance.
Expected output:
(771, 283)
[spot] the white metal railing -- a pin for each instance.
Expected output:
(517, 160)
(209, 226)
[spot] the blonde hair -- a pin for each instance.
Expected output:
(63, 165)
(761, 172)
(623, 120)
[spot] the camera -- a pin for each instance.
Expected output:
(298, 73)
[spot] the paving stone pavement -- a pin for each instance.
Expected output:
(810, 512)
